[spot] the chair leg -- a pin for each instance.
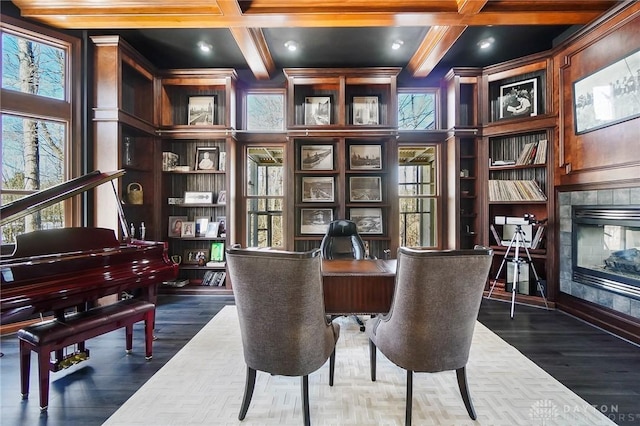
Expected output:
(305, 400)
(372, 359)
(25, 367)
(464, 391)
(360, 322)
(332, 366)
(248, 392)
(407, 416)
(149, 322)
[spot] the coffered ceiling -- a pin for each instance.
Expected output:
(251, 34)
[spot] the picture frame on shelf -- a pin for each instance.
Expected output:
(222, 197)
(201, 110)
(212, 230)
(206, 158)
(202, 225)
(601, 99)
(315, 221)
(366, 110)
(519, 99)
(222, 225)
(368, 220)
(192, 256)
(316, 157)
(197, 197)
(175, 226)
(318, 189)
(317, 110)
(222, 161)
(188, 229)
(169, 161)
(217, 251)
(365, 157)
(365, 189)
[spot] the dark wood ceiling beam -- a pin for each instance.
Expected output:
(434, 46)
(251, 42)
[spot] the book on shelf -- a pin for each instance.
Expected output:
(515, 190)
(216, 264)
(176, 282)
(537, 239)
(533, 153)
(503, 163)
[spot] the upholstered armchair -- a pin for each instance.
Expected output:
(433, 314)
(283, 325)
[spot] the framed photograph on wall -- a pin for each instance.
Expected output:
(365, 157)
(206, 158)
(316, 157)
(368, 220)
(519, 99)
(607, 96)
(365, 110)
(192, 256)
(317, 110)
(315, 221)
(201, 110)
(175, 226)
(317, 189)
(365, 188)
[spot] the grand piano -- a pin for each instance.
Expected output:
(51, 271)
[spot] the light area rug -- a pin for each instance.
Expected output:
(203, 384)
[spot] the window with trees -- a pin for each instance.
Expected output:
(36, 114)
(264, 111)
(417, 109)
(418, 195)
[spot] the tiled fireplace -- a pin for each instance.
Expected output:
(599, 235)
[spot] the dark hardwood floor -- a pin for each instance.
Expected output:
(602, 369)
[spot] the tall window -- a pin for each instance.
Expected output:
(36, 116)
(264, 194)
(417, 109)
(418, 195)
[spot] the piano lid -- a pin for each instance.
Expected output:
(47, 197)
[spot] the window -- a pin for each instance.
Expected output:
(418, 195)
(265, 111)
(36, 114)
(264, 194)
(417, 110)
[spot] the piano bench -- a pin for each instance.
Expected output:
(54, 335)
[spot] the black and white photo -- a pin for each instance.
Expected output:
(316, 157)
(365, 157)
(368, 220)
(317, 189)
(317, 110)
(201, 110)
(519, 99)
(206, 158)
(365, 110)
(365, 188)
(315, 221)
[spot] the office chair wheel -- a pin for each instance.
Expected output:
(362, 328)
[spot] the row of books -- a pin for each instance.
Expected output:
(533, 153)
(515, 190)
(214, 278)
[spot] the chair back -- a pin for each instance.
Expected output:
(280, 306)
(435, 307)
(342, 241)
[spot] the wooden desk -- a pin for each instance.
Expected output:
(358, 286)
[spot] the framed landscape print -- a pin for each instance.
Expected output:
(365, 157)
(315, 221)
(201, 109)
(368, 221)
(365, 188)
(317, 110)
(365, 110)
(317, 189)
(206, 158)
(316, 157)
(519, 99)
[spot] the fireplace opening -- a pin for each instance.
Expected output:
(606, 247)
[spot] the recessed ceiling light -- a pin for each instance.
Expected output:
(486, 43)
(291, 45)
(204, 46)
(397, 44)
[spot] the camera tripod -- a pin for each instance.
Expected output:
(518, 241)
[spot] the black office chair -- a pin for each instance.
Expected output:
(342, 241)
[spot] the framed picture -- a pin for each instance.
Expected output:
(201, 109)
(222, 197)
(608, 96)
(222, 225)
(315, 221)
(194, 197)
(368, 221)
(188, 229)
(213, 230)
(222, 161)
(217, 251)
(365, 110)
(191, 256)
(317, 110)
(363, 188)
(317, 189)
(316, 157)
(206, 158)
(519, 99)
(202, 224)
(175, 226)
(365, 157)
